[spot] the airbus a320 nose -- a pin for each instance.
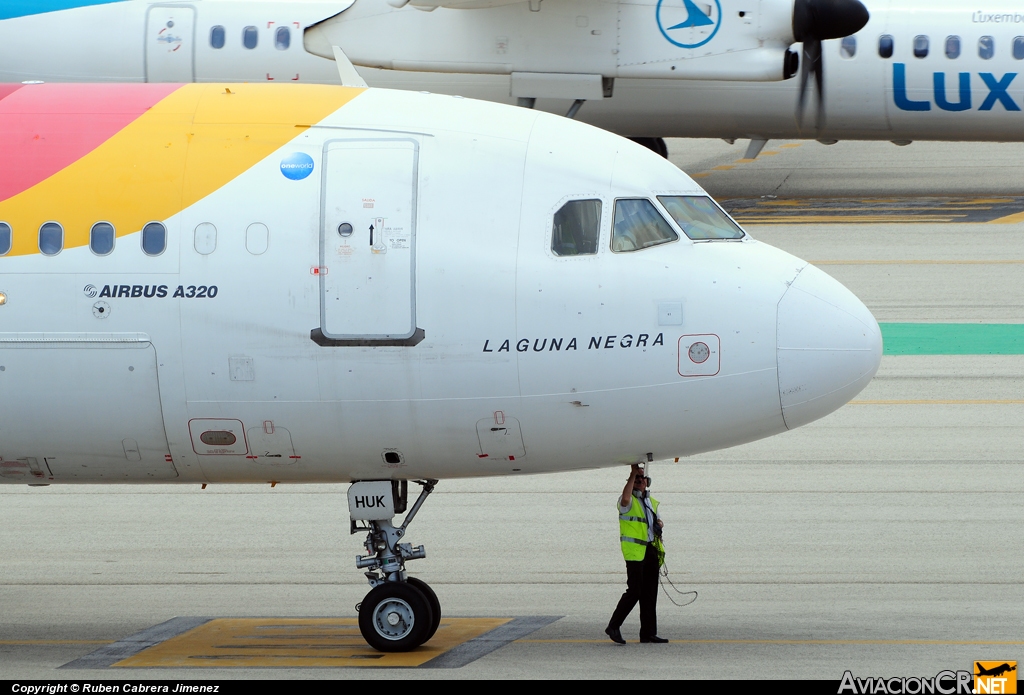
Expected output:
(291, 283)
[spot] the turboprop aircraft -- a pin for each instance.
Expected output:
(912, 70)
(279, 283)
(916, 70)
(575, 45)
(565, 49)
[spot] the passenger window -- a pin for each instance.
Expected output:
(986, 47)
(5, 238)
(154, 239)
(952, 47)
(848, 47)
(205, 239)
(920, 46)
(638, 225)
(257, 238)
(51, 238)
(282, 38)
(1018, 48)
(217, 36)
(101, 238)
(700, 218)
(885, 46)
(576, 228)
(250, 37)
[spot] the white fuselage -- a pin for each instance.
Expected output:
(973, 96)
(493, 355)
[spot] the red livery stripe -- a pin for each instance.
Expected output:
(46, 127)
(6, 89)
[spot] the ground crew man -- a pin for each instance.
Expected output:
(640, 536)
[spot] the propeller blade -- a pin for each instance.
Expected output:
(805, 67)
(815, 21)
(811, 64)
(819, 75)
(822, 20)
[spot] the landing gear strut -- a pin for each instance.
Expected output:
(400, 612)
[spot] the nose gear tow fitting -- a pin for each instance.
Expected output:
(400, 612)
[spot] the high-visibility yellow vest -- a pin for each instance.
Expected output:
(633, 532)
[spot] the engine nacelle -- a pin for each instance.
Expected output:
(674, 39)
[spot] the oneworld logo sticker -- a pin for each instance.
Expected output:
(688, 23)
(297, 166)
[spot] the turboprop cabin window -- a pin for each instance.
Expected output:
(700, 218)
(282, 38)
(1018, 48)
(986, 47)
(848, 47)
(101, 238)
(51, 238)
(5, 238)
(250, 37)
(217, 36)
(920, 46)
(638, 225)
(576, 228)
(885, 46)
(154, 239)
(952, 47)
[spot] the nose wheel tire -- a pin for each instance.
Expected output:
(395, 617)
(435, 605)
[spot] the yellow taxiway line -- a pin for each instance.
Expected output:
(942, 401)
(824, 642)
(50, 642)
(994, 261)
(297, 642)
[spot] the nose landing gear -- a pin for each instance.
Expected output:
(400, 612)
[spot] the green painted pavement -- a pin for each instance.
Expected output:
(953, 338)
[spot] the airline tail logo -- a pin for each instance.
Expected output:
(688, 23)
(995, 677)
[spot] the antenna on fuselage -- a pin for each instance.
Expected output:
(346, 70)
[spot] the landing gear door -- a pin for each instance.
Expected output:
(368, 241)
(170, 43)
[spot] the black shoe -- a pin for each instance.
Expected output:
(614, 633)
(654, 639)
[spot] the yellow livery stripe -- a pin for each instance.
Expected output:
(181, 150)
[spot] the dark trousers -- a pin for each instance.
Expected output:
(642, 586)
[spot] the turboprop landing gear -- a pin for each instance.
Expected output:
(400, 612)
(656, 145)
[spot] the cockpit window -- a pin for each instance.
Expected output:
(576, 228)
(700, 218)
(638, 225)
(5, 238)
